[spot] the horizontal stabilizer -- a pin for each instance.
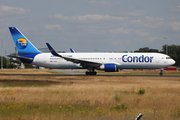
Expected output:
(25, 58)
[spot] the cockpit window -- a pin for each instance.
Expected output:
(168, 58)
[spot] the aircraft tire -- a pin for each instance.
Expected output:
(94, 73)
(91, 73)
(161, 74)
(87, 73)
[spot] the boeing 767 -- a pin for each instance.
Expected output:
(109, 62)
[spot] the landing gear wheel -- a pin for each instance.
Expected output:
(91, 73)
(160, 73)
(94, 73)
(87, 73)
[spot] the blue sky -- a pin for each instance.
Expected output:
(89, 25)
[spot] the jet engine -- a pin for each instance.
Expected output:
(109, 67)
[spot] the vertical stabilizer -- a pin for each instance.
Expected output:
(24, 46)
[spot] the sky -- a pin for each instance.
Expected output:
(91, 25)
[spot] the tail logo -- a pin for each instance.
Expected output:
(21, 43)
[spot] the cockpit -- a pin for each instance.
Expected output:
(168, 57)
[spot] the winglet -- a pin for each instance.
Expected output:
(72, 50)
(52, 50)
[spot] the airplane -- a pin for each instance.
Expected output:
(108, 62)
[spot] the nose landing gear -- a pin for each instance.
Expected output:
(161, 73)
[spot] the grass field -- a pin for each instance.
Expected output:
(83, 97)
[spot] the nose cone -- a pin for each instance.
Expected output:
(172, 62)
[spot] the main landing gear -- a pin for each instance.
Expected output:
(91, 72)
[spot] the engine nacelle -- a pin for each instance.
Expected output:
(109, 67)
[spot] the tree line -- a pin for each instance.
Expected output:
(172, 50)
(10, 63)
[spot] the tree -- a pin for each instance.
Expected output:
(10, 63)
(4, 62)
(28, 65)
(146, 49)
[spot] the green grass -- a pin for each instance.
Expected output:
(120, 107)
(141, 91)
(26, 110)
(27, 83)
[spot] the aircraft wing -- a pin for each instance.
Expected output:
(84, 63)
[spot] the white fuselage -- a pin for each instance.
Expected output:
(122, 60)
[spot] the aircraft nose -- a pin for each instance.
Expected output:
(173, 62)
